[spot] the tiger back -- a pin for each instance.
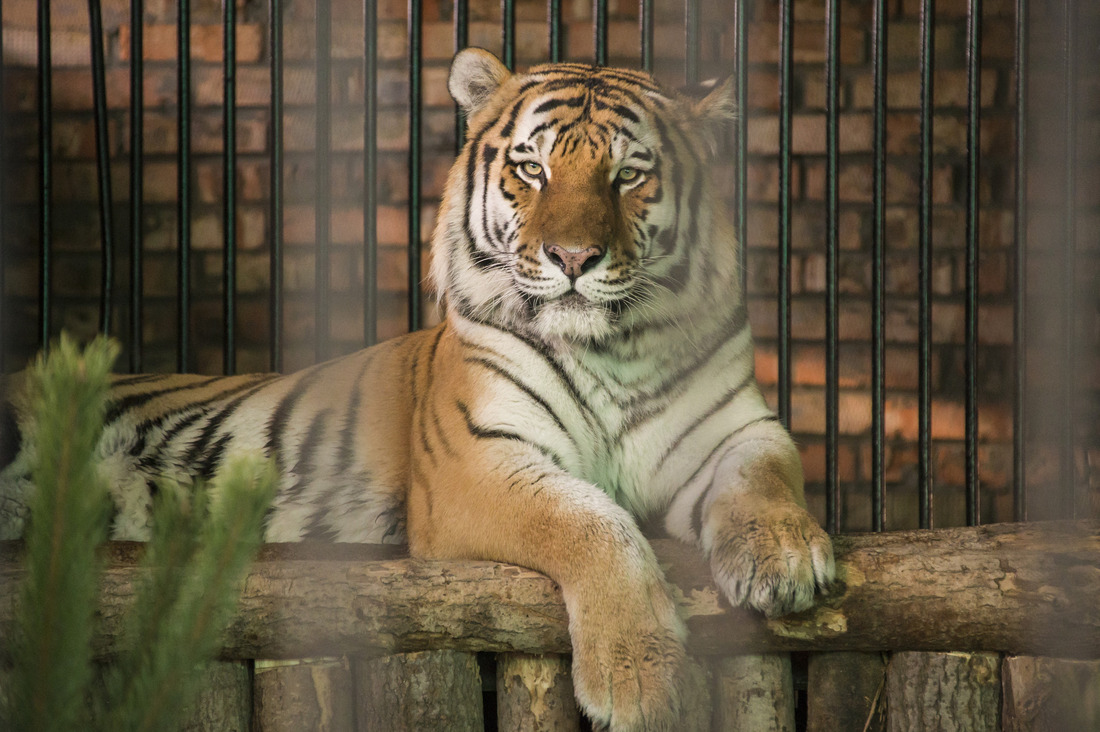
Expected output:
(594, 368)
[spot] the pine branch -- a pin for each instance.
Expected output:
(68, 520)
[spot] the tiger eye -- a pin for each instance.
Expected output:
(531, 168)
(628, 175)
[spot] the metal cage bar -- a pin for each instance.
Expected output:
(103, 169)
(1069, 275)
(832, 244)
(786, 19)
(183, 189)
(691, 41)
(645, 29)
(924, 447)
(229, 189)
(323, 179)
(3, 203)
(973, 142)
(462, 40)
(415, 31)
(277, 194)
(370, 171)
(557, 41)
(599, 31)
(878, 269)
(137, 184)
(508, 33)
(741, 139)
(45, 175)
(1019, 305)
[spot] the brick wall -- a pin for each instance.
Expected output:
(75, 229)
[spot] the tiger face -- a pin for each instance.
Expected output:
(561, 215)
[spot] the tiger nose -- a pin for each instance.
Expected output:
(573, 263)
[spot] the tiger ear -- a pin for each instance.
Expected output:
(715, 111)
(475, 75)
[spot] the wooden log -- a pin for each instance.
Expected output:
(313, 694)
(535, 694)
(846, 692)
(409, 692)
(943, 692)
(223, 702)
(754, 693)
(1050, 694)
(1021, 589)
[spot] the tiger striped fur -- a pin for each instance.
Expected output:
(594, 369)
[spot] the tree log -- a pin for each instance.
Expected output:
(943, 692)
(535, 694)
(1020, 589)
(1050, 694)
(313, 694)
(408, 692)
(846, 692)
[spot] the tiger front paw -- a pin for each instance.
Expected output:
(772, 557)
(629, 666)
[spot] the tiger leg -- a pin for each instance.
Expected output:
(765, 550)
(511, 504)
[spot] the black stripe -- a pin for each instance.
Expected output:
(305, 465)
(552, 104)
(725, 399)
(277, 423)
(11, 439)
(697, 509)
(117, 407)
(212, 459)
(199, 446)
(484, 433)
(345, 453)
(486, 363)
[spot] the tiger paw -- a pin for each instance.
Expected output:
(628, 673)
(771, 556)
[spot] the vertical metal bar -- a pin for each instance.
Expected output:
(415, 55)
(599, 27)
(741, 139)
(275, 211)
(508, 32)
(691, 41)
(1069, 276)
(924, 419)
(229, 193)
(183, 188)
(878, 271)
(1019, 302)
(553, 11)
(3, 204)
(832, 212)
(45, 175)
(103, 169)
(462, 40)
(370, 171)
(322, 167)
(973, 154)
(137, 184)
(645, 24)
(784, 346)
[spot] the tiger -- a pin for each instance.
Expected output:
(593, 372)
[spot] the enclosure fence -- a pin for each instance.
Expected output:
(914, 184)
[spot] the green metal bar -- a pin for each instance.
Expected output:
(645, 23)
(323, 170)
(973, 157)
(103, 169)
(784, 345)
(741, 139)
(878, 270)
(1068, 395)
(137, 157)
(557, 42)
(415, 106)
(275, 211)
(599, 28)
(924, 446)
(1019, 302)
(370, 172)
(508, 32)
(691, 41)
(229, 193)
(183, 188)
(832, 213)
(462, 40)
(45, 176)
(3, 210)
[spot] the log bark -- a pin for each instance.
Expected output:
(1021, 589)
(535, 694)
(409, 692)
(943, 692)
(846, 692)
(754, 693)
(224, 702)
(1050, 694)
(315, 694)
